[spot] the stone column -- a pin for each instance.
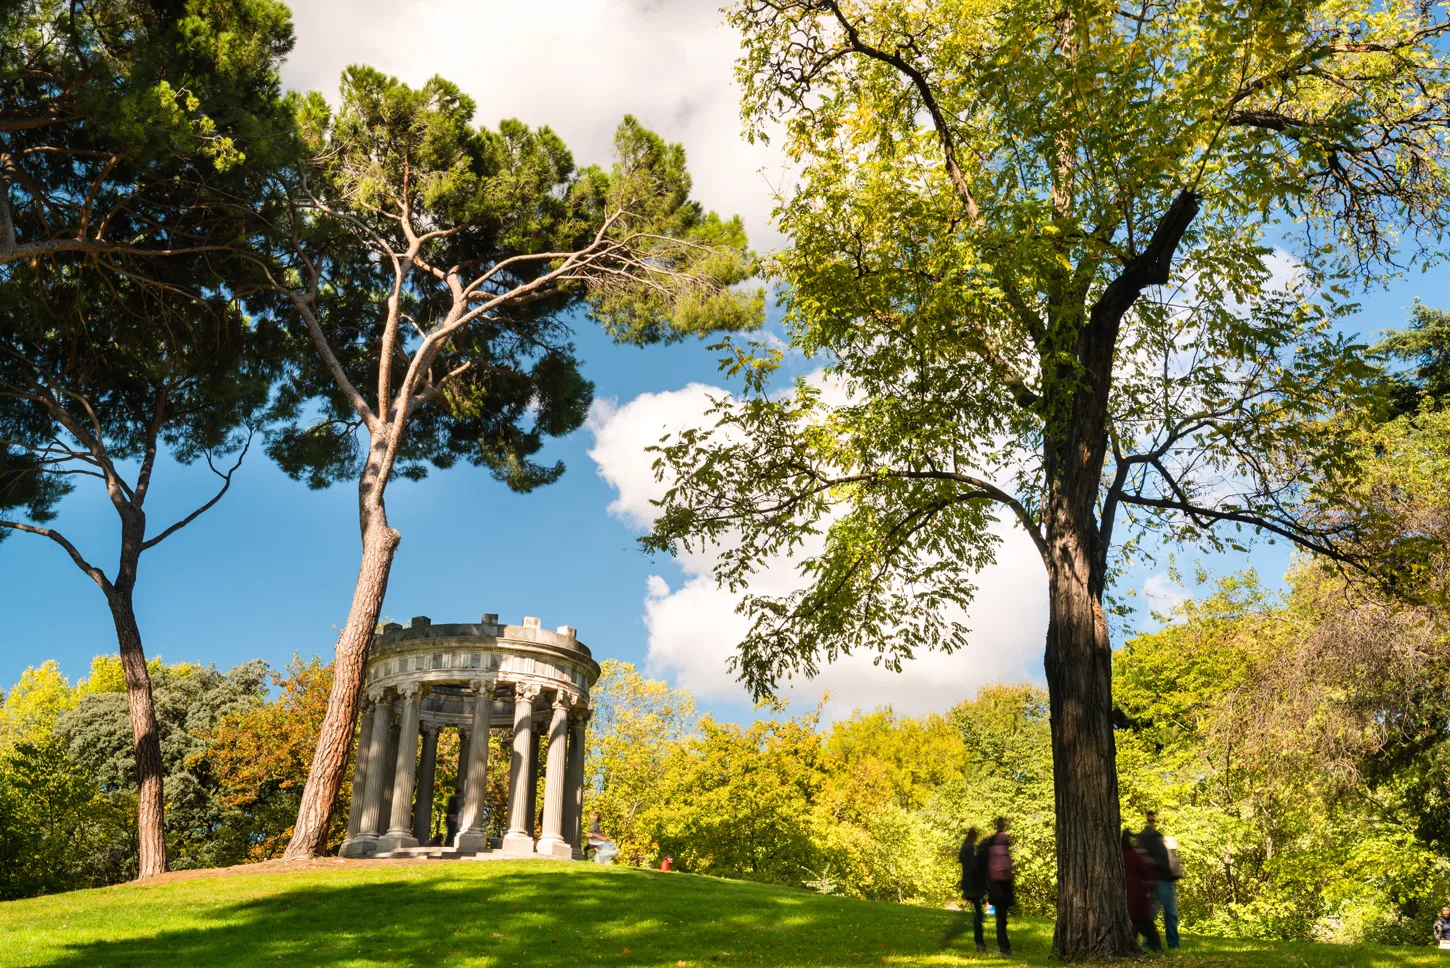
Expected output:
(404, 773)
(471, 835)
(533, 803)
(360, 770)
(552, 842)
(574, 794)
(372, 796)
(423, 806)
(519, 839)
(385, 775)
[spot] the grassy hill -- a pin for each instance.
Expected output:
(352, 915)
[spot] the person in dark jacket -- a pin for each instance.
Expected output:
(1152, 844)
(1138, 876)
(450, 816)
(996, 854)
(1442, 928)
(974, 882)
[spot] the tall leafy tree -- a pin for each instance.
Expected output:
(98, 380)
(1031, 243)
(129, 133)
(434, 267)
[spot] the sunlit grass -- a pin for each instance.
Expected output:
(537, 913)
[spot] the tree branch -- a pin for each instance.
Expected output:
(938, 117)
(95, 573)
(226, 483)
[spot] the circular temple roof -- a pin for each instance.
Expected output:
(448, 659)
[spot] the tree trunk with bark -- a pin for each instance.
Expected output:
(1092, 902)
(145, 738)
(1092, 909)
(334, 741)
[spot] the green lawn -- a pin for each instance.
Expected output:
(533, 913)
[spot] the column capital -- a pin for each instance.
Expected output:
(581, 714)
(564, 699)
(377, 694)
(527, 690)
(412, 690)
(431, 728)
(485, 687)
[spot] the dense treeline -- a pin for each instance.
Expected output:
(1296, 744)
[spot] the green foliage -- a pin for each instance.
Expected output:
(738, 800)
(470, 249)
(96, 374)
(202, 829)
(1277, 739)
(1032, 250)
(636, 726)
(56, 834)
(124, 115)
(873, 807)
(34, 705)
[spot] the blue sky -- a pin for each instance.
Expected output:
(270, 571)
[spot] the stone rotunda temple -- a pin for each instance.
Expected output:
(426, 678)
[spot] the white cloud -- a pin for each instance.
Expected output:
(693, 629)
(577, 66)
(624, 434)
(1164, 593)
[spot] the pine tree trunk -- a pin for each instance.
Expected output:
(329, 761)
(145, 738)
(1092, 908)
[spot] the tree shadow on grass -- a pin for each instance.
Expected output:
(566, 917)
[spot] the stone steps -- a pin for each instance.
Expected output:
(429, 853)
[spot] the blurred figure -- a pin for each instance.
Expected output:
(1442, 928)
(450, 829)
(1138, 877)
(974, 883)
(603, 847)
(1001, 890)
(1162, 853)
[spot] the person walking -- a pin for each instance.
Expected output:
(1442, 928)
(974, 882)
(1001, 891)
(1138, 877)
(1166, 871)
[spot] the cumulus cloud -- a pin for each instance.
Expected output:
(575, 65)
(693, 627)
(1164, 593)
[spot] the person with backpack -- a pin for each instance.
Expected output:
(1162, 854)
(997, 851)
(974, 882)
